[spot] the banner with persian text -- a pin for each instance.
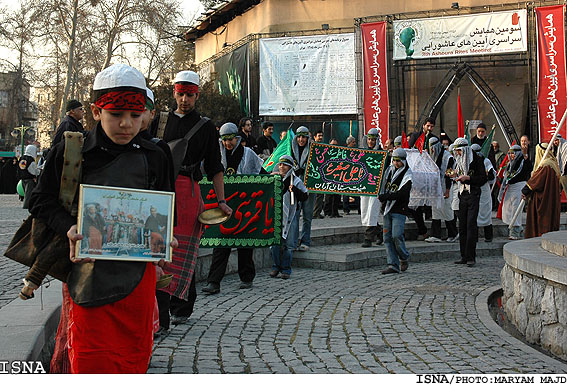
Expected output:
(552, 78)
(340, 170)
(308, 75)
(466, 35)
(376, 103)
(256, 202)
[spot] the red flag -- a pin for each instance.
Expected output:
(405, 144)
(420, 142)
(460, 122)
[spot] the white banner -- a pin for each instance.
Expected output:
(478, 34)
(311, 75)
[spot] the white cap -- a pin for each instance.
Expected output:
(150, 95)
(187, 76)
(119, 75)
(228, 128)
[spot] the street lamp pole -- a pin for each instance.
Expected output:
(21, 132)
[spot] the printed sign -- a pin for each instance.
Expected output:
(310, 75)
(467, 35)
(256, 203)
(376, 103)
(552, 78)
(340, 170)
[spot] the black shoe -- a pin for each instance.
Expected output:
(274, 273)
(404, 265)
(245, 285)
(471, 263)
(390, 270)
(161, 333)
(488, 240)
(211, 288)
(177, 320)
(285, 276)
(460, 262)
(379, 241)
(366, 244)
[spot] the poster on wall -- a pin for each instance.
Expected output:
(376, 103)
(552, 79)
(233, 75)
(307, 75)
(340, 170)
(466, 35)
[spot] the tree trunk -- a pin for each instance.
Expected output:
(70, 60)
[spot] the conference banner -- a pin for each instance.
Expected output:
(463, 35)
(256, 203)
(552, 79)
(376, 103)
(307, 75)
(335, 169)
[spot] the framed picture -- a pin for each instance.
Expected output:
(124, 224)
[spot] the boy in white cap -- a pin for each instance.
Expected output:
(394, 195)
(179, 297)
(236, 159)
(294, 193)
(111, 304)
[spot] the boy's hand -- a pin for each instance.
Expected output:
(225, 209)
(174, 244)
(73, 238)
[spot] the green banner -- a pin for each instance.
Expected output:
(256, 203)
(340, 170)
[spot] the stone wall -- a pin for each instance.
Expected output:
(538, 309)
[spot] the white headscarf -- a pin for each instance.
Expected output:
(464, 160)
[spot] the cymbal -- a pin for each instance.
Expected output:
(213, 217)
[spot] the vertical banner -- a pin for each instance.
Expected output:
(232, 70)
(376, 104)
(552, 78)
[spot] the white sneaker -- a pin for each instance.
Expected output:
(304, 247)
(433, 239)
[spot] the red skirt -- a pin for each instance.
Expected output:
(117, 337)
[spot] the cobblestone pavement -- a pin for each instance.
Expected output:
(422, 321)
(11, 216)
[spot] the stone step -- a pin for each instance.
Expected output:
(529, 257)
(352, 231)
(555, 243)
(349, 256)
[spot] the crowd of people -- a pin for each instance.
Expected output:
(108, 324)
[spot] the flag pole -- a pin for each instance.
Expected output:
(521, 205)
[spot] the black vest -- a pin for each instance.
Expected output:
(107, 281)
(23, 166)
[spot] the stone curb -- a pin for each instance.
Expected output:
(25, 327)
(481, 305)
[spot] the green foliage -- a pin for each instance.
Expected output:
(220, 108)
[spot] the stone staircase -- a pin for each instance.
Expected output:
(534, 285)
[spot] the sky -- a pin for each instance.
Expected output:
(189, 8)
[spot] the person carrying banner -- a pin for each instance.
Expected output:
(110, 319)
(178, 298)
(370, 205)
(543, 193)
(484, 219)
(394, 196)
(517, 172)
(294, 192)
(236, 159)
(471, 176)
(445, 161)
(300, 153)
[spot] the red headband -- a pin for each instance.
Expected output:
(122, 101)
(186, 88)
